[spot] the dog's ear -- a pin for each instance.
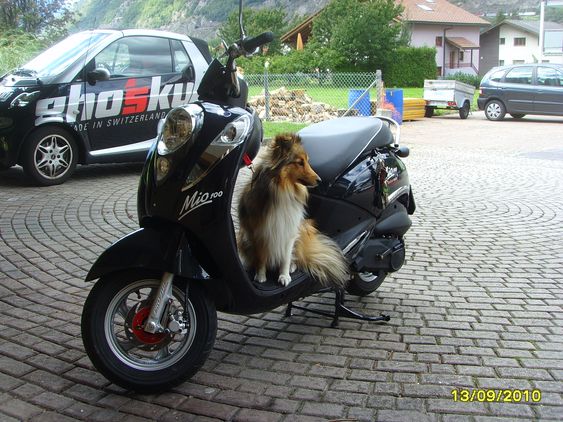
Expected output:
(283, 143)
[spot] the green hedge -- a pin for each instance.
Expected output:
(410, 67)
(474, 80)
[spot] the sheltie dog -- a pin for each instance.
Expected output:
(274, 233)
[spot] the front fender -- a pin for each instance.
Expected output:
(161, 249)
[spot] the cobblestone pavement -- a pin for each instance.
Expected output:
(477, 306)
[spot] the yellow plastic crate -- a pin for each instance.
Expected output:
(413, 108)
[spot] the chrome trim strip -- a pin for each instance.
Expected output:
(355, 242)
(139, 146)
(398, 192)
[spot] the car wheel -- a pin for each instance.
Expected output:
(495, 110)
(517, 115)
(428, 111)
(464, 111)
(50, 156)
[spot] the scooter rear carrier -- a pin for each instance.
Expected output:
(340, 310)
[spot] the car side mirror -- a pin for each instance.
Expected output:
(188, 73)
(99, 74)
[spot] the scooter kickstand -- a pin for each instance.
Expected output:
(340, 310)
(343, 311)
(288, 310)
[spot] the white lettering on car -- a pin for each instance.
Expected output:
(109, 104)
(79, 106)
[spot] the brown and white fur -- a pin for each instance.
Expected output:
(274, 233)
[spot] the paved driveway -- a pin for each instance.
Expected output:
(477, 307)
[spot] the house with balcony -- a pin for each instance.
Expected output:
(432, 23)
(515, 41)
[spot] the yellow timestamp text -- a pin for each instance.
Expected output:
(496, 396)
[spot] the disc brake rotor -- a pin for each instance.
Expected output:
(134, 324)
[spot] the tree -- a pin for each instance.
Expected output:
(256, 21)
(500, 17)
(362, 33)
(554, 14)
(38, 17)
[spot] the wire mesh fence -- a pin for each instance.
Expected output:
(310, 98)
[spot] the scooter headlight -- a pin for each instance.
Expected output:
(180, 125)
(235, 132)
(233, 135)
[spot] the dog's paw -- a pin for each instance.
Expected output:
(284, 279)
(260, 278)
(293, 267)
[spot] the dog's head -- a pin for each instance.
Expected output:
(289, 156)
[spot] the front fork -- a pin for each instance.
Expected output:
(161, 302)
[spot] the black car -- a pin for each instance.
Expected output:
(522, 89)
(95, 97)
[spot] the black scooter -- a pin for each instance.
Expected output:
(150, 321)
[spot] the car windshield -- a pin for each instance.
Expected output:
(57, 58)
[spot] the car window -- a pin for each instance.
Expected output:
(136, 56)
(497, 76)
(181, 58)
(59, 57)
(519, 75)
(115, 58)
(549, 76)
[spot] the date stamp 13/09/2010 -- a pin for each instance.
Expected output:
(496, 395)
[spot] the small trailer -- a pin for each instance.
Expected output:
(449, 94)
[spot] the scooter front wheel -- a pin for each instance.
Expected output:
(363, 284)
(112, 331)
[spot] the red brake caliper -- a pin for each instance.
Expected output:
(138, 324)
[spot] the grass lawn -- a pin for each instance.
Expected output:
(273, 128)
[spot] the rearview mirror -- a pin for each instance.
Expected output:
(188, 73)
(99, 74)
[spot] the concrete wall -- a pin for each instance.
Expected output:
(494, 54)
(509, 53)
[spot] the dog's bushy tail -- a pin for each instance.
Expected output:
(321, 257)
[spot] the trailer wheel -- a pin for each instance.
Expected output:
(464, 111)
(428, 111)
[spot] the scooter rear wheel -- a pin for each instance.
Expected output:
(112, 321)
(363, 284)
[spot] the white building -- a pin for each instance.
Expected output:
(514, 41)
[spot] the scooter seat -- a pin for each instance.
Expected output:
(333, 145)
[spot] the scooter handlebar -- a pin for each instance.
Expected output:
(251, 44)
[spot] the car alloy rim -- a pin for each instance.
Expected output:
(493, 110)
(53, 156)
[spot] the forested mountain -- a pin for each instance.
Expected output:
(202, 18)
